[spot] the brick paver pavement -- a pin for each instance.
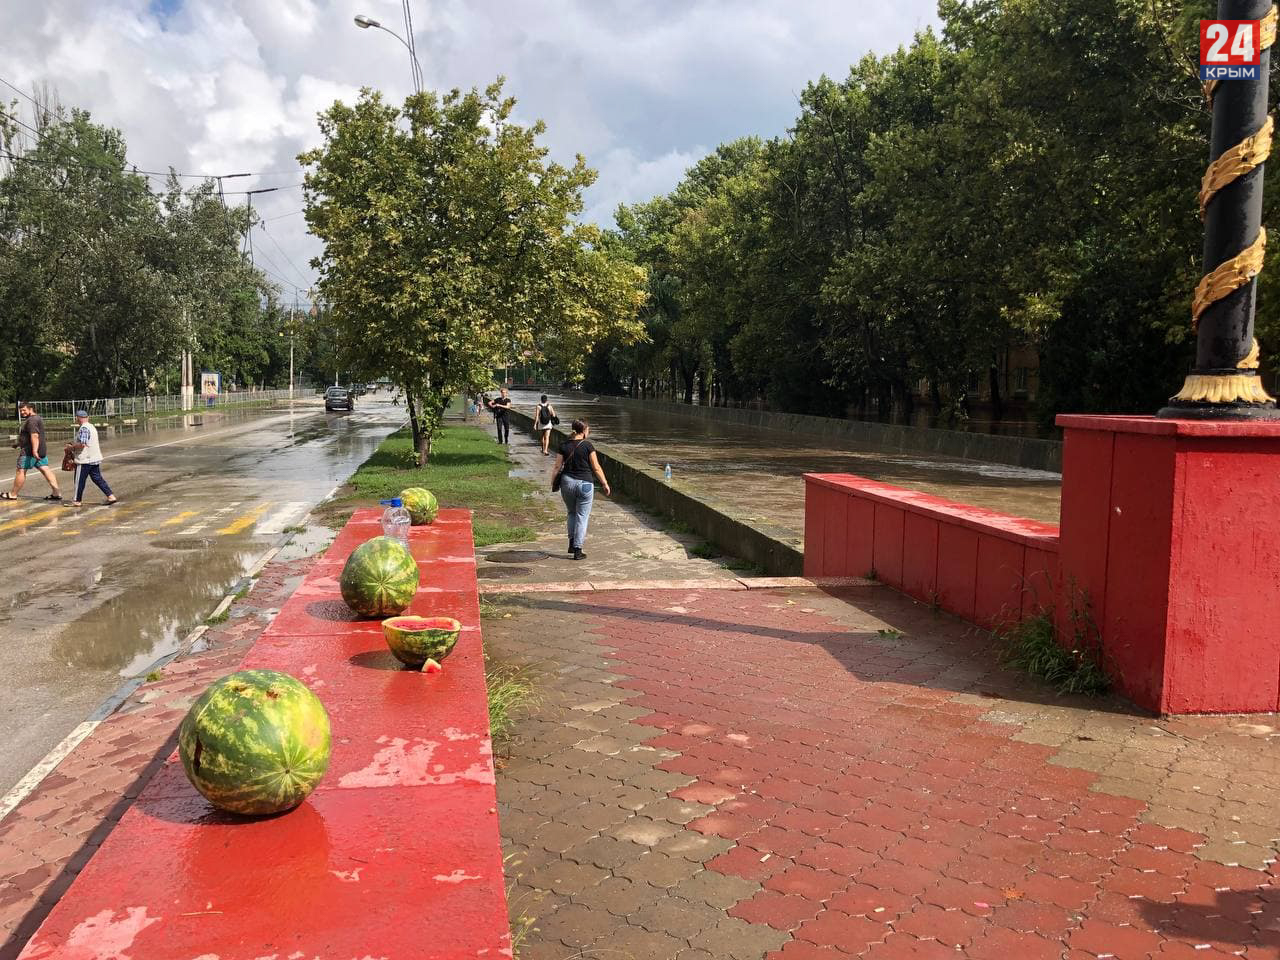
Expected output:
(802, 774)
(48, 838)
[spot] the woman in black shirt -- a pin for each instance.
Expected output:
(578, 465)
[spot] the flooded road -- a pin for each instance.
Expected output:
(759, 471)
(97, 594)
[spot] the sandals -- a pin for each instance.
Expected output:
(7, 496)
(55, 497)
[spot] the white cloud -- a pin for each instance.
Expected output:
(643, 90)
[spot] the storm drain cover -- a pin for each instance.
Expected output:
(501, 573)
(517, 556)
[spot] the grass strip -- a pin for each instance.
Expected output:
(467, 469)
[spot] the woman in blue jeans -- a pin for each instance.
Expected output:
(578, 467)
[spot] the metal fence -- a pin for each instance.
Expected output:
(137, 407)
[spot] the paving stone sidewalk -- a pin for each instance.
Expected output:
(804, 774)
(48, 838)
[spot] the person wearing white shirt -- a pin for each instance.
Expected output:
(88, 459)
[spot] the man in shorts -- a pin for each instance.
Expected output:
(33, 454)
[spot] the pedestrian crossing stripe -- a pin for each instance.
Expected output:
(179, 518)
(217, 514)
(31, 518)
(281, 518)
(245, 520)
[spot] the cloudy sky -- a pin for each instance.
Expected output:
(642, 89)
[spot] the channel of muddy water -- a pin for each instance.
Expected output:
(760, 471)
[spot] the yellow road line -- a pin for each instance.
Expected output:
(185, 514)
(112, 513)
(31, 518)
(245, 520)
(71, 533)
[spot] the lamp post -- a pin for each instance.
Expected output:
(1224, 383)
(364, 23)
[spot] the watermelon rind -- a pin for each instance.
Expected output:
(255, 743)
(413, 644)
(421, 504)
(380, 578)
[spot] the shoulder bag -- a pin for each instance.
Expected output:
(555, 481)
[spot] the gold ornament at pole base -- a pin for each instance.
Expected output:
(1228, 388)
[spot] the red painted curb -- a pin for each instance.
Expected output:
(396, 855)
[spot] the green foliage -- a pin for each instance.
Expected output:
(1070, 667)
(509, 690)
(218, 618)
(450, 246)
(704, 551)
(105, 280)
(1024, 180)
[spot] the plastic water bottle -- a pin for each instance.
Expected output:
(395, 520)
(666, 474)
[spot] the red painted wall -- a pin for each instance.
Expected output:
(1171, 531)
(978, 564)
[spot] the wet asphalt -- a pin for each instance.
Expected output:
(95, 595)
(761, 472)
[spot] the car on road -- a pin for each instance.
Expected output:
(339, 398)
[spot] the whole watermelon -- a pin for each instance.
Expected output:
(421, 504)
(379, 578)
(256, 742)
(415, 640)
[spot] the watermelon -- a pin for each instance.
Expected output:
(421, 504)
(256, 742)
(417, 640)
(379, 578)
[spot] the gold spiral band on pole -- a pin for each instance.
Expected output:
(1236, 162)
(1228, 277)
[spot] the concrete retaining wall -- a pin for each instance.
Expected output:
(1030, 452)
(769, 547)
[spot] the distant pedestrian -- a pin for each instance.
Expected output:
(576, 468)
(543, 422)
(88, 459)
(501, 406)
(33, 454)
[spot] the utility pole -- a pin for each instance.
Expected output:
(293, 320)
(188, 395)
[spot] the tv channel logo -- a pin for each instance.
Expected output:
(1229, 49)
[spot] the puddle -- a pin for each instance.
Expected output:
(184, 543)
(522, 473)
(517, 556)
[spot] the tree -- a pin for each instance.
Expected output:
(450, 246)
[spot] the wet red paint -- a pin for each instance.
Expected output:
(1172, 527)
(396, 854)
(973, 562)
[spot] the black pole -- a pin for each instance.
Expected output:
(1224, 383)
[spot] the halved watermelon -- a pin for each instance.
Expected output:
(415, 640)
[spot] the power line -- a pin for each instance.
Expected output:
(287, 258)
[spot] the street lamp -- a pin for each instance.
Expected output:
(364, 23)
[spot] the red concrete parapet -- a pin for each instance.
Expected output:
(981, 565)
(1171, 530)
(397, 853)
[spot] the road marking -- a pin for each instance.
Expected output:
(245, 520)
(113, 513)
(30, 519)
(184, 515)
(281, 518)
(198, 436)
(216, 515)
(71, 533)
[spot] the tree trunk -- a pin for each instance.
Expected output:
(935, 395)
(413, 426)
(997, 398)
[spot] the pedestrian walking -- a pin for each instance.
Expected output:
(576, 469)
(543, 422)
(33, 454)
(501, 405)
(88, 459)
